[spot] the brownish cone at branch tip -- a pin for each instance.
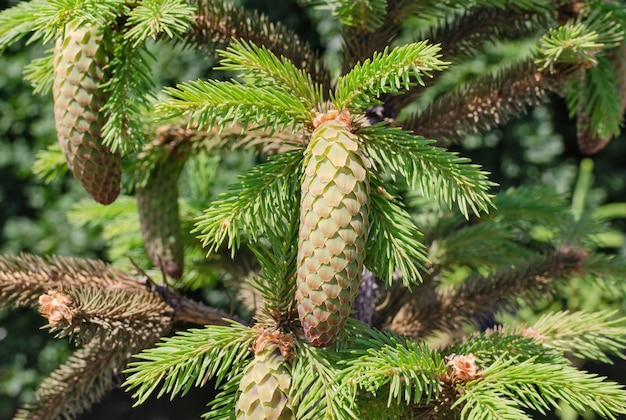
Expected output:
(80, 58)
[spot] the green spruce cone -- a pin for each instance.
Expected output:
(333, 230)
(80, 57)
(264, 388)
(157, 204)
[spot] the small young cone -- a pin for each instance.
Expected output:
(80, 56)
(333, 230)
(157, 204)
(264, 388)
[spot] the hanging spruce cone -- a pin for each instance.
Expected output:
(157, 203)
(264, 388)
(333, 230)
(80, 56)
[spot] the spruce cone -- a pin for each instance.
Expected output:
(157, 203)
(264, 388)
(333, 230)
(79, 60)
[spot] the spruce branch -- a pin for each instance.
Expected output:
(83, 380)
(278, 263)
(586, 335)
(17, 21)
(129, 94)
(360, 44)
(475, 27)
(479, 297)
(498, 344)
(574, 43)
(407, 372)
(217, 103)
(487, 102)
(607, 267)
(432, 170)
(529, 5)
(114, 317)
(189, 358)
(538, 386)
(526, 206)
(478, 246)
(47, 18)
(218, 22)
(52, 16)
(23, 279)
(261, 67)
(40, 73)
(26, 277)
(222, 407)
(363, 15)
(597, 105)
(250, 207)
(319, 395)
(50, 163)
(153, 17)
(394, 241)
(387, 72)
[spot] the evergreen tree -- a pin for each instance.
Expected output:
(357, 235)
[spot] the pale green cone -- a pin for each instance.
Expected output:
(157, 204)
(80, 56)
(333, 230)
(264, 388)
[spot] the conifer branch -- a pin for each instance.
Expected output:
(217, 103)
(51, 17)
(363, 15)
(462, 37)
(360, 44)
(394, 241)
(499, 344)
(480, 245)
(151, 18)
(276, 284)
(538, 386)
(250, 207)
(129, 93)
(190, 358)
(386, 72)
(407, 371)
(190, 311)
(23, 279)
(40, 73)
(486, 102)
(113, 317)
(17, 21)
(433, 171)
(83, 380)
(479, 297)
(319, 396)
(586, 335)
(218, 22)
(577, 43)
(597, 105)
(222, 407)
(261, 67)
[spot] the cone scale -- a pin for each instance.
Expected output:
(333, 230)
(264, 388)
(80, 56)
